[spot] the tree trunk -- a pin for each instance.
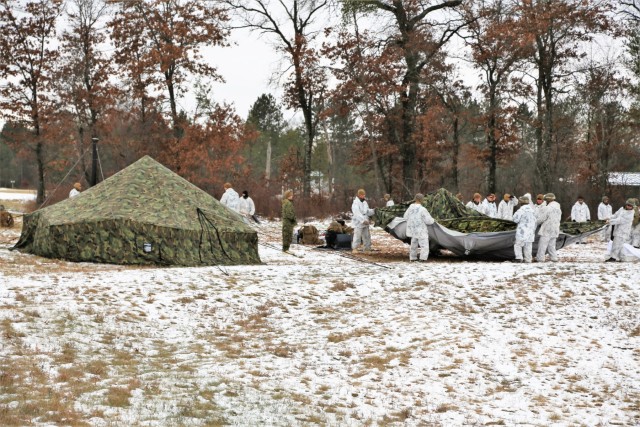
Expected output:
(456, 151)
(172, 103)
(40, 162)
(408, 145)
(492, 142)
(267, 170)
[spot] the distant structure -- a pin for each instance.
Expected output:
(628, 179)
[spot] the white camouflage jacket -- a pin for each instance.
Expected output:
(230, 199)
(604, 211)
(505, 209)
(550, 217)
(246, 206)
(622, 220)
(580, 212)
(526, 220)
(418, 217)
(475, 207)
(361, 213)
(489, 209)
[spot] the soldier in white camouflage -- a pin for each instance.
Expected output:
(549, 220)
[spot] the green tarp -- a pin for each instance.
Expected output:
(144, 214)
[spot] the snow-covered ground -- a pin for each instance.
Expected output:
(321, 339)
(12, 194)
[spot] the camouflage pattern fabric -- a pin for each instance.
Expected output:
(450, 212)
(144, 214)
(576, 228)
(288, 223)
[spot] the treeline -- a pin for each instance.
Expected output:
(384, 101)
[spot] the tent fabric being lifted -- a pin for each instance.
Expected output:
(466, 232)
(144, 214)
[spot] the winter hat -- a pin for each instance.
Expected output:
(549, 196)
(361, 192)
(77, 186)
(540, 197)
(605, 198)
(506, 197)
(288, 194)
(419, 197)
(631, 202)
(523, 200)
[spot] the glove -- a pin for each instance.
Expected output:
(365, 222)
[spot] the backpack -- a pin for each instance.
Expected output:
(308, 235)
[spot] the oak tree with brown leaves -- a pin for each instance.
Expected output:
(413, 48)
(498, 44)
(28, 59)
(162, 40)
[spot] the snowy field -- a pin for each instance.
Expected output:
(321, 340)
(13, 194)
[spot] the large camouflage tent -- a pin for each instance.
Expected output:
(465, 231)
(144, 214)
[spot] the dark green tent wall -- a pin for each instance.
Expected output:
(144, 214)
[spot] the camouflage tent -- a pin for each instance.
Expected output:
(465, 231)
(144, 214)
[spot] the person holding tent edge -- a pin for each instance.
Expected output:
(418, 218)
(526, 231)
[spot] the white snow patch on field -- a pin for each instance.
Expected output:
(322, 339)
(22, 195)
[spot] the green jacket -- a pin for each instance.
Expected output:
(288, 213)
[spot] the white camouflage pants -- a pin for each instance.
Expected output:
(547, 244)
(423, 243)
(518, 249)
(361, 236)
(617, 247)
(606, 234)
(635, 236)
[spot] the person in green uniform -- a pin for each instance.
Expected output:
(288, 219)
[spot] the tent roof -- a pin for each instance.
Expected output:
(145, 192)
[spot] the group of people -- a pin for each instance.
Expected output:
(545, 213)
(242, 204)
(488, 207)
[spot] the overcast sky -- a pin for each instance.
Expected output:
(246, 66)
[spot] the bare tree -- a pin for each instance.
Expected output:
(291, 26)
(415, 39)
(85, 72)
(557, 44)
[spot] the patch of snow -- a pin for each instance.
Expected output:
(327, 339)
(8, 194)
